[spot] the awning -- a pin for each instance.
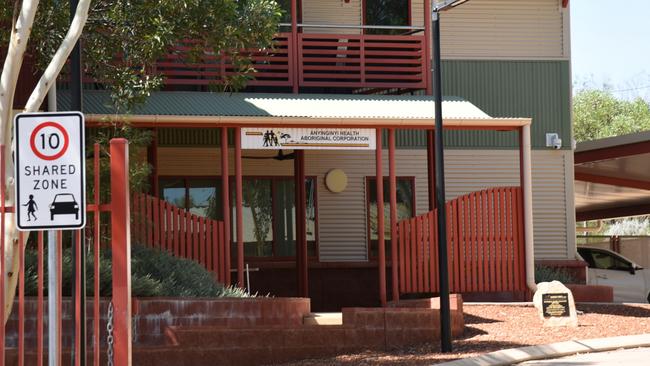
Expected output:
(612, 177)
(257, 109)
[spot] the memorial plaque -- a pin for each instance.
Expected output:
(555, 305)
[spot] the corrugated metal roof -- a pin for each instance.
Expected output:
(284, 105)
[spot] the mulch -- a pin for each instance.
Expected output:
(491, 328)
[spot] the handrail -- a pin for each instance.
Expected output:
(358, 26)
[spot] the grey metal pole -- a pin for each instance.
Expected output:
(52, 292)
(445, 312)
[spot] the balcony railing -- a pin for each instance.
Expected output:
(313, 58)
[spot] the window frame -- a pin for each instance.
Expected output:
(231, 182)
(369, 179)
(409, 21)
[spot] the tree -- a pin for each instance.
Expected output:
(121, 40)
(598, 114)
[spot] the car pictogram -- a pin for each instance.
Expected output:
(64, 204)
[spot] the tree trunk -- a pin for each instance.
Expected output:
(19, 37)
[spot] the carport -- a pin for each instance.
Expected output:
(612, 177)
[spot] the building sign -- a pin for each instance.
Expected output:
(308, 138)
(50, 171)
(555, 304)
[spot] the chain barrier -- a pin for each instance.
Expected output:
(109, 335)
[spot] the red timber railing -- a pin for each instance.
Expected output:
(310, 60)
(273, 67)
(361, 60)
(158, 223)
(485, 245)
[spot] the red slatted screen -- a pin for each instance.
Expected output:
(485, 245)
(159, 224)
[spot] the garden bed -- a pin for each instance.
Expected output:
(495, 327)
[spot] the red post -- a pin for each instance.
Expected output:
(96, 247)
(427, 47)
(240, 214)
(294, 42)
(225, 197)
(381, 250)
(121, 247)
(392, 181)
(301, 230)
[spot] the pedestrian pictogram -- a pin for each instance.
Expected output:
(50, 170)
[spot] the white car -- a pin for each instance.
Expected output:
(630, 281)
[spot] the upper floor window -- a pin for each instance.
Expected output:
(387, 12)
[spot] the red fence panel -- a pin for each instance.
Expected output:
(485, 245)
(179, 232)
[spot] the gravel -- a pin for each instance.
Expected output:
(491, 328)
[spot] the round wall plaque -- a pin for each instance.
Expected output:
(336, 180)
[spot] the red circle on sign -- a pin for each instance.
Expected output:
(32, 140)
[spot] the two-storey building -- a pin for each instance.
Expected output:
(345, 78)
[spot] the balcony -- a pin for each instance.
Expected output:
(315, 56)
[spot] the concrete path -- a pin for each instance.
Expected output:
(627, 357)
(515, 356)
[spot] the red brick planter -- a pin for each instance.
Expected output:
(591, 293)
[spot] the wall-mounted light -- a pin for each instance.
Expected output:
(336, 180)
(553, 140)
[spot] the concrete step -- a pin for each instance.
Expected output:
(323, 319)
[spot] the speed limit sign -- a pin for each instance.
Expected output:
(50, 171)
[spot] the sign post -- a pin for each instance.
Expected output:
(50, 171)
(50, 188)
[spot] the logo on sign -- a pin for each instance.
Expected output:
(50, 170)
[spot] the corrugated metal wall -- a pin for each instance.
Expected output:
(536, 89)
(342, 216)
(329, 12)
(501, 29)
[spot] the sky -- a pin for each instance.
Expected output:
(610, 45)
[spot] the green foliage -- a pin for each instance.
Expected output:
(598, 114)
(548, 274)
(123, 39)
(153, 273)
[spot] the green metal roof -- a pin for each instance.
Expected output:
(283, 105)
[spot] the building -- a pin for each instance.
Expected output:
(333, 71)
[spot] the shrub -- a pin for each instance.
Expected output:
(153, 273)
(548, 274)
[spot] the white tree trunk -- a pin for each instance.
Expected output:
(14, 60)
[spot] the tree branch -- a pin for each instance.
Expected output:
(61, 55)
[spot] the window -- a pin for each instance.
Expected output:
(387, 12)
(268, 210)
(269, 216)
(405, 208)
(201, 196)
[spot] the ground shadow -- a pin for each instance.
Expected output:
(470, 332)
(615, 309)
(474, 319)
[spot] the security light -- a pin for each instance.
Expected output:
(441, 5)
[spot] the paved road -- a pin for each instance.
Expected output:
(628, 357)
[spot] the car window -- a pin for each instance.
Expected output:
(585, 253)
(64, 198)
(604, 260)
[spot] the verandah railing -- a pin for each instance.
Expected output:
(159, 224)
(485, 245)
(312, 59)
